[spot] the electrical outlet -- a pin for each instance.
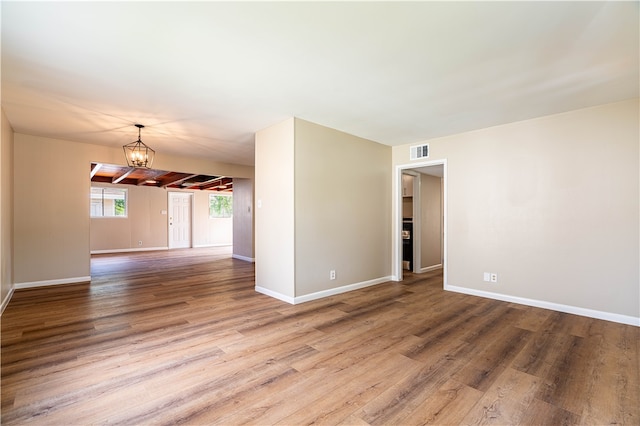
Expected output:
(487, 276)
(332, 274)
(140, 242)
(494, 278)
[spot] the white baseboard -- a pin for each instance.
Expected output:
(276, 295)
(431, 268)
(591, 313)
(339, 290)
(211, 245)
(245, 258)
(323, 293)
(75, 280)
(6, 300)
(128, 250)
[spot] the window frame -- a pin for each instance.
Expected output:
(227, 195)
(102, 189)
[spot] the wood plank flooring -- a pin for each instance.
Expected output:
(181, 337)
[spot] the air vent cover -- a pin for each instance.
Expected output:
(420, 151)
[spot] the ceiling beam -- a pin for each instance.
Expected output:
(94, 169)
(213, 183)
(187, 185)
(117, 179)
(175, 180)
(206, 183)
(215, 178)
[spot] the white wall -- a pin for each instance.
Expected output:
(551, 206)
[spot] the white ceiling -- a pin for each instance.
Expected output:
(205, 76)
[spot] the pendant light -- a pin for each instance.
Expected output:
(137, 153)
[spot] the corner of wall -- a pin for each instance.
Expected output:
(6, 210)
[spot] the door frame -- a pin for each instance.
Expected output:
(396, 265)
(191, 217)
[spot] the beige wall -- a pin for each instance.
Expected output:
(51, 223)
(342, 208)
(243, 219)
(144, 222)
(407, 207)
(274, 213)
(6, 210)
(430, 221)
(51, 210)
(322, 204)
(209, 231)
(550, 205)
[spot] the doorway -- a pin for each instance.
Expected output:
(421, 211)
(410, 211)
(180, 219)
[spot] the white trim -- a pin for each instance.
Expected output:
(396, 267)
(340, 290)
(6, 300)
(75, 280)
(276, 295)
(212, 245)
(591, 313)
(128, 250)
(245, 258)
(431, 268)
(323, 293)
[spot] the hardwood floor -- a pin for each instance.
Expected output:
(181, 337)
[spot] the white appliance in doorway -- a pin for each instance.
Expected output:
(180, 219)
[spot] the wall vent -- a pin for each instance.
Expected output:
(420, 151)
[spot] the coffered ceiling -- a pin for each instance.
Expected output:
(203, 77)
(111, 173)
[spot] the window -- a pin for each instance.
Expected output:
(108, 202)
(220, 206)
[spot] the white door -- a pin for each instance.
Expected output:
(179, 220)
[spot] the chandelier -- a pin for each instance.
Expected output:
(137, 153)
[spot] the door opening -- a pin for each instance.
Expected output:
(410, 211)
(428, 221)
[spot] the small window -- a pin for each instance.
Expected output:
(108, 202)
(220, 206)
